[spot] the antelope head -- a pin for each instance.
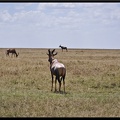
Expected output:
(51, 55)
(17, 54)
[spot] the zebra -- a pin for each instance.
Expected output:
(57, 69)
(62, 47)
(13, 51)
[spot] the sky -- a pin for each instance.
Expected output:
(94, 25)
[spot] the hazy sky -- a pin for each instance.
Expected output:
(47, 25)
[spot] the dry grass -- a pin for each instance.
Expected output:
(92, 84)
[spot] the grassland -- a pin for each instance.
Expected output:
(92, 84)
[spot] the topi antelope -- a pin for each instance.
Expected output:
(13, 51)
(62, 47)
(57, 69)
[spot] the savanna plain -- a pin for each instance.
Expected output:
(92, 84)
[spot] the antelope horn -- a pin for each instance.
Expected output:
(53, 51)
(49, 51)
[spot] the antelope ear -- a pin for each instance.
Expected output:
(55, 54)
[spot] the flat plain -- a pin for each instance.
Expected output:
(92, 84)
